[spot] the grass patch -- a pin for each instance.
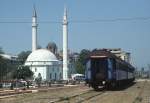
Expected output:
(138, 100)
(64, 98)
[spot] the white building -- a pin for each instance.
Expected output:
(44, 62)
(126, 56)
(9, 57)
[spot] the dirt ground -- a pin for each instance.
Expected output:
(137, 93)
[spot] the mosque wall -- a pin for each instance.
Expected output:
(41, 70)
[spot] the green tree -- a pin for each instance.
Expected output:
(23, 56)
(1, 51)
(6, 67)
(148, 70)
(3, 65)
(80, 64)
(79, 67)
(23, 73)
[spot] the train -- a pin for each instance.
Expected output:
(105, 69)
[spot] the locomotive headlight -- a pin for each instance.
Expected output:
(103, 82)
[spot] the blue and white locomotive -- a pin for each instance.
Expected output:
(105, 69)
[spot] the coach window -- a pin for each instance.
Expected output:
(117, 65)
(114, 63)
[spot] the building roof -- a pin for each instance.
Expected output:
(41, 57)
(9, 57)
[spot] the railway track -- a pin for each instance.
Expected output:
(10, 93)
(79, 98)
(137, 93)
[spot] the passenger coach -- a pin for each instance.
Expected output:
(105, 69)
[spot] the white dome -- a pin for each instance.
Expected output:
(41, 57)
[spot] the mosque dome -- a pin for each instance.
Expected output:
(52, 44)
(41, 57)
(52, 47)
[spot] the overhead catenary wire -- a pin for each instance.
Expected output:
(74, 21)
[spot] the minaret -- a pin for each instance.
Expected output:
(65, 46)
(34, 30)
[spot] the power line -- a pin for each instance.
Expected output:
(78, 21)
(23, 22)
(15, 18)
(111, 20)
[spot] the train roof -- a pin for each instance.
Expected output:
(106, 54)
(102, 54)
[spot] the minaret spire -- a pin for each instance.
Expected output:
(34, 30)
(34, 12)
(65, 45)
(65, 11)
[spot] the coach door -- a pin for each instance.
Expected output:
(99, 68)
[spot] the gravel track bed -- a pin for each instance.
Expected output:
(45, 97)
(82, 97)
(137, 93)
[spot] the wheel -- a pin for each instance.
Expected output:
(95, 87)
(113, 85)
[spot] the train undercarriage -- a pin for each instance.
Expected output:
(110, 84)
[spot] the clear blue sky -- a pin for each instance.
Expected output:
(130, 35)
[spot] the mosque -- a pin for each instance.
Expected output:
(44, 62)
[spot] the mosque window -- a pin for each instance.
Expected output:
(53, 68)
(55, 76)
(59, 75)
(50, 76)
